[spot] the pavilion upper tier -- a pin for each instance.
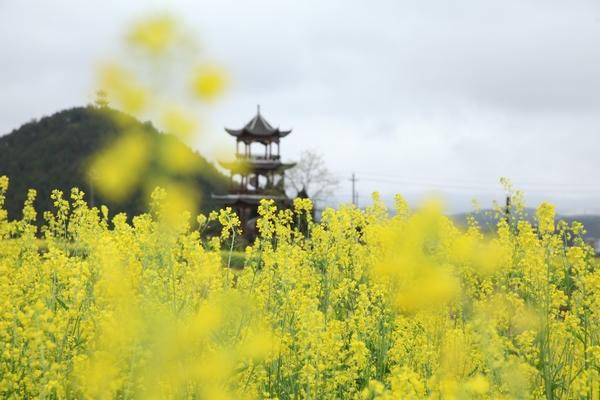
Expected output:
(258, 130)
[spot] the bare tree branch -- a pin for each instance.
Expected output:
(311, 174)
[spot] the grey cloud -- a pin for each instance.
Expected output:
(465, 90)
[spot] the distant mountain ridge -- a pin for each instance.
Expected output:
(486, 219)
(52, 152)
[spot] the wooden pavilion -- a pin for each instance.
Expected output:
(257, 171)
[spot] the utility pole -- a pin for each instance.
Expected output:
(507, 209)
(354, 194)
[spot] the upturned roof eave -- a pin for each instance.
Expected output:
(249, 135)
(252, 165)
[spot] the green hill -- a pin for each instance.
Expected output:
(53, 152)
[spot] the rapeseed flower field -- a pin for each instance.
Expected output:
(365, 304)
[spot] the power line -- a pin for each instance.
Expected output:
(430, 184)
(466, 184)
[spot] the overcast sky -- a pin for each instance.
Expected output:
(414, 96)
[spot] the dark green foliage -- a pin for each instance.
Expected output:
(52, 153)
(236, 259)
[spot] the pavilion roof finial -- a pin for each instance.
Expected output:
(258, 109)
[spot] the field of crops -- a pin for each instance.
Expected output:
(365, 304)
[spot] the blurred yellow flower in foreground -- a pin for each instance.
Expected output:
(208, 82)
(117, 170)
(136, 163)
(154, 34)
(123, 87)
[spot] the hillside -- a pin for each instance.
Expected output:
(52, 153)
